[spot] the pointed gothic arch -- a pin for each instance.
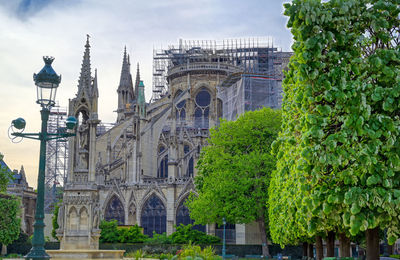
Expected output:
(183, 216)
(153, 216)
(115, 210)
(83, 219)
(73, 220)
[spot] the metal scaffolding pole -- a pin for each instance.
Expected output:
(56, 159)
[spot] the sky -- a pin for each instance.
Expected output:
(30, 29)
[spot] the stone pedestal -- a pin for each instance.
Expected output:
(86, 254)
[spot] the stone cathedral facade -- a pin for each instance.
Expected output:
(141, 170)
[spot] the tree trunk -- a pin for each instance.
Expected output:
(264, 240)
(319, 248)
(3, 250)
(305, 249)
(390, 250)
(310, 250)
(344, 245)
(330, 244)
(372, 241)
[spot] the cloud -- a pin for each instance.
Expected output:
(30, 29)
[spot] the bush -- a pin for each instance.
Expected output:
(159, 239)
(109, 232)
(185, 234)
(135, 254)
(191, 251)
(132, 234)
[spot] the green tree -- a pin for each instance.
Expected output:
(234, 171)
(9, 208)
(54, 220)
(340, 137)
(9, 221)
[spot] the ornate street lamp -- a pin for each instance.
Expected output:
(47, 82)
(223, 241)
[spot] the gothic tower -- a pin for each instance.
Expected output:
(125, 89)
(79, 214)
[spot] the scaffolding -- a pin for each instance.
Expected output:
(256, 83)
(56, 159)
(253, 55)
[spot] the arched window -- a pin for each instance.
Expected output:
(181, 111)
(115, 210)
(186, 149)
(190, 168)
(163, 168)
(183, 217)
(202, 109)
(154, 216)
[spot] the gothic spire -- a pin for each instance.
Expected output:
(95, 88)
(85, 77)
(137, 81)
(125, 82)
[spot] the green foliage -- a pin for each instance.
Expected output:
(192, 251)
(166, 256)
(135, 254)
(54, 221)
(338, 152)
(5, 176)
(234, 169)
(159, 239)
(9, 221)
(133, 234)
(109, 231)
(186, 234)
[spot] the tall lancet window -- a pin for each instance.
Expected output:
(181, 111)
(202, 109)
(162, 171)
(154, 216)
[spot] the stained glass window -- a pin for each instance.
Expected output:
(115, 210)
(190, 168)
(163, 168)
(201, 112)
(183, 217)
(154, 216)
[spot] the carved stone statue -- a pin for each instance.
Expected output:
(60, 218)
(83, 135)
(96, 217)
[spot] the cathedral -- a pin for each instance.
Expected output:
(141, 170)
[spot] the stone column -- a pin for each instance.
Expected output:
(170, 208)
(92, 149)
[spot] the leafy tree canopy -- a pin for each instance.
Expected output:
(234, 169)
(9, 222)
(339, 146)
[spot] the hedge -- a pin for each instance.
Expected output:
(295, 252)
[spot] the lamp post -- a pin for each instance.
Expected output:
(46, 82)
(223, 241)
